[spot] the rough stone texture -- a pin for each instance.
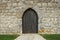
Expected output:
(30, 37)
(11, 15)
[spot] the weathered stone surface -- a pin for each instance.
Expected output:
(11, 12)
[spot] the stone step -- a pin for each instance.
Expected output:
(30, 37)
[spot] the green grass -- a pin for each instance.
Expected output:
(46, 36)
(8, 37)
(51, 36)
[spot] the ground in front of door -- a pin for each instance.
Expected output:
(30, 37)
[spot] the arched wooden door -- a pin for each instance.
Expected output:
(30, 21)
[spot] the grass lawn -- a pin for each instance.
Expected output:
(8, 37)
(46, 36)
(51, 36)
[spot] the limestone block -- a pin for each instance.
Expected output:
(39, 4)
(44, 5)
(0, 11)
(9, 4)
(58, 31)
(8, 8)
(14, 4)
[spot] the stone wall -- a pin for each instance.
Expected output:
(11, 15)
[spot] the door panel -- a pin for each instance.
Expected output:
(30, 21)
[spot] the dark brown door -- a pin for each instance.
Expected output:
(30, 21)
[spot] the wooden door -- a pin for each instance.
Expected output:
(30, 21)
